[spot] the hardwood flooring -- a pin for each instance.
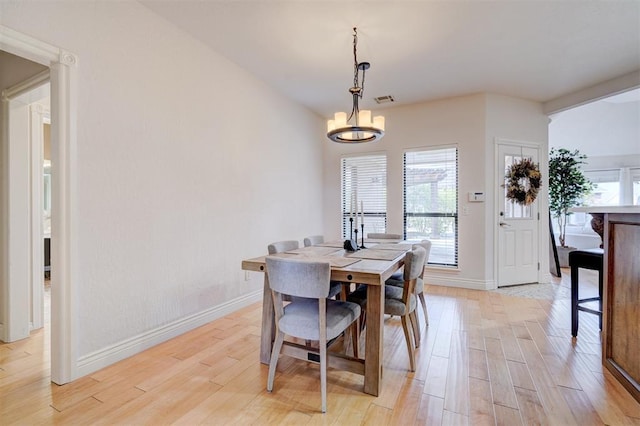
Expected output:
(486, 358)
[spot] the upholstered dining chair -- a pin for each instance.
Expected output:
(313, 240)
(401, 301)
(282, 246)
(397, 279)
(336, 286)
(383, 236)
(311, 315)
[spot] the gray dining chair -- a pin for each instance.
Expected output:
(336, 286)
(313, 240)
(311, 315)
(401, 301)
(397, 279)
(282, 246)
(383, 236)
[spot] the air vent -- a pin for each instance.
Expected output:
(384, 99)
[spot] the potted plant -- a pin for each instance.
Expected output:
(567, 187)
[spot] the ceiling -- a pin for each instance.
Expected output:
(418, 50)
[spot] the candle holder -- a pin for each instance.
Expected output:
(361, 227)
(356, 239)
(350, 244)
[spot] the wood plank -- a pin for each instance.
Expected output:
(501, 384)
(480, 402)
(531, 409)
(457, 388)
(431, 410)
(436, 382)
(212, 375)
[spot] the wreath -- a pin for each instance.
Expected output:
(523, 182)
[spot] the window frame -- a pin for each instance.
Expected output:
(455, 215)
(344, 205)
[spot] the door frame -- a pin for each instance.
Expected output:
(64, 82)
(39, 114)
(544, 275)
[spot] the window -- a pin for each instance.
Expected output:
(606, 191)
(431, 201)
(614, 187)
(365, 179)
(635, 183)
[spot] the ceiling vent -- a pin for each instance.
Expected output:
(384, 99)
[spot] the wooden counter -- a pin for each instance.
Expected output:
(621, 304)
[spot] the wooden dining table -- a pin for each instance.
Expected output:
(372, 267)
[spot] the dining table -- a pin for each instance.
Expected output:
(370, 266)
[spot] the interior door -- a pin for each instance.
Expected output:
(518, 261)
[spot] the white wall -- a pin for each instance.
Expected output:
(608, 133)
(472, 122)
(519, 120)
(186, 165)
(598, 129)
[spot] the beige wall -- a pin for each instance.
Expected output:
(184, 168)
(472, 123)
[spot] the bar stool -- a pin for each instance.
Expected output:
(586, 259)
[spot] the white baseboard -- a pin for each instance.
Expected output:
(459, 282)
(94, 361)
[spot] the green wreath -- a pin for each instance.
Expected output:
(523, 182)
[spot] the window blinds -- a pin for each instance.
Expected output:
(364, 178)
(431, 201)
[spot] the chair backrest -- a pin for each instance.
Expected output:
(281, 246)
(300, 278)
(313, 240)
(426, 245)
(414, 263)
(377, 236)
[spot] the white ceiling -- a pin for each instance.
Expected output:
(419, 50)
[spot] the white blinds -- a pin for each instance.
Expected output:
(365, 178)
(431, 201)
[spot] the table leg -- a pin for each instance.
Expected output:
(268, 325)
(374, 340)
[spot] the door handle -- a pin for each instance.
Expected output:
(504, 224)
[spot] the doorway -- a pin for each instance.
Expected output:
(517, 225)
(63, 80)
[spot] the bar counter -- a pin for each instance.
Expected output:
(621, 304)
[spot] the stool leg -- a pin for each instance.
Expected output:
(574, 301)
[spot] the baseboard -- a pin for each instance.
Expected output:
(104, 357)
(446, 281)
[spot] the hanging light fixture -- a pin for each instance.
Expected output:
(364, 128)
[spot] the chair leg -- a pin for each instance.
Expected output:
(323, 374)
(408, 338)
(355, 337)
(413, 317)
(277, 346)
(574, 301)
(424, 308)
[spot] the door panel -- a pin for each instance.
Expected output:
(517, 225)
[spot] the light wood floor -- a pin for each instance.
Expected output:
(485, 358)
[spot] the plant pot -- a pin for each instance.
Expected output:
(563, 255)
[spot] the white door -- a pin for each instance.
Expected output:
(518, 261)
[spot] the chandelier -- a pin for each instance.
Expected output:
(364, 129)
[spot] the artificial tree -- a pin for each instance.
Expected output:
(567, 186)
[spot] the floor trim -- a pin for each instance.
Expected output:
(111, 354)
